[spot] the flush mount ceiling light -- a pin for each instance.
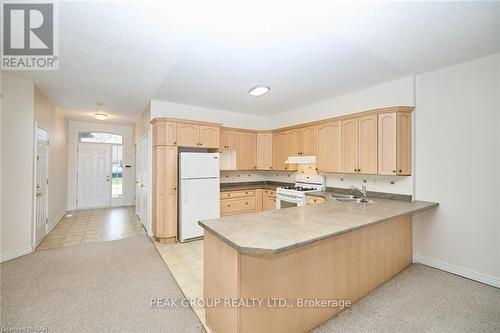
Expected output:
(101, 116)
(259, 91)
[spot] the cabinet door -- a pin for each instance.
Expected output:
(350, 145)
(247, 151)
(280, 150)
(188, 135)
(209, 136)
(387, 143)
(165, 191)
(328, 147)
(295, 142)
(264, 151)
(258, 200)
(229, 140)
(308, 141)
(403, 146)
(268, 202)
(367, 162)
(164, 133)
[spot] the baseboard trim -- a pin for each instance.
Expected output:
(51, 226)
(16, 253)
(464, 272)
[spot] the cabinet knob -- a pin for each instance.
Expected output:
(400, 170)
(393, 171)
(175, 142)
(246, 203)
(359, 170)
(229, 205)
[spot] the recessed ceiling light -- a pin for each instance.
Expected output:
(259, 91)
(101, 116)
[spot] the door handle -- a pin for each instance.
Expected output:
(38, 195)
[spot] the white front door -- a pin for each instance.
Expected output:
(42, 181)
(94, 175)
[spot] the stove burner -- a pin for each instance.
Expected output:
(298, 188)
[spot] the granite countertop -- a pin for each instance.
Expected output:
(279, 230)
(224, 187)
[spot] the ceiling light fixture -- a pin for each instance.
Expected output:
(101, 116)
(259, 91)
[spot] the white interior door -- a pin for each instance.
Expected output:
(94, 175)
(42, 181)
(142, 181)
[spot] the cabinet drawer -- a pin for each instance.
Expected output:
(237, 205)
(315, 200)
(236, 194)
(271, 193)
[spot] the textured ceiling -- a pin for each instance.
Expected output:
(210, 53)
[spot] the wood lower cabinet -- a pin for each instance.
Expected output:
(280, 150)
(311, 200)
(394, 143)
(268, 199)
(264, 151)
(350, 145)
(239, 202)
(247, 151)
(328, 147)
(165, 192)
(367, 159)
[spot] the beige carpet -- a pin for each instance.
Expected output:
(422, 299)
(94, 287)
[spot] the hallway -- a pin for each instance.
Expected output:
(93, 225)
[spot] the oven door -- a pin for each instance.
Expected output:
(286, 201)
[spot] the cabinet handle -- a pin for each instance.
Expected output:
(359, 170)
(175, 142)
(393, 171)
(229, 205)
(229, 194)
(246, 203)
(400, 170)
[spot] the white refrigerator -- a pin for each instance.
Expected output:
(199, 192)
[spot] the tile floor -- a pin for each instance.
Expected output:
(93, 225)
(185, 261)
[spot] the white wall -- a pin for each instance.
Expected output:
(17, 166)
(226, 118)
(143, 123)
(75, 127)
(394, 93)
(53, 120)
(458, 164)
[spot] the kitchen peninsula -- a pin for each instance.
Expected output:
(331, 251)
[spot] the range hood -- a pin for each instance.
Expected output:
(301, 160)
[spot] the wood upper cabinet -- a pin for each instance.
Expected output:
(194, 135)
(367, 161)
(188, 135)
(228, 139)
(404, 144)
(165, 191)
(247, 151)
(209, 136)
(394, 143)
(328, 147)
(264, 151)
(280, 150)
(294, 142)
(308, 141)
(164, 133)
(350, 145)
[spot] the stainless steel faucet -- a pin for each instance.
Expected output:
(362, 191)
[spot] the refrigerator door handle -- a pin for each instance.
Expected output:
(184, 193)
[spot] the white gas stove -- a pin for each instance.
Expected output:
(293, 196)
